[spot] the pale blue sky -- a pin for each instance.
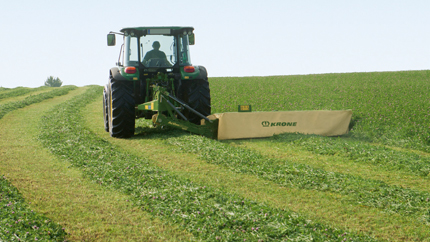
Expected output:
(67, 39)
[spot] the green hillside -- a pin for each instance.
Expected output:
(63, 177)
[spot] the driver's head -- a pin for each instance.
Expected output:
(156, 45)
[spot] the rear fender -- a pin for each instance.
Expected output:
(115, 74)
(200, 73)
(203, 75)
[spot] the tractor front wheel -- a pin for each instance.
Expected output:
(121, 109)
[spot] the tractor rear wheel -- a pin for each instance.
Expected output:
(199, 99)
(106, 108)
(121, 109)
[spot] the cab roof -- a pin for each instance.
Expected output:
(164, 30)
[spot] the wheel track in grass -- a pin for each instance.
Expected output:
(320, 206)
(163, 193)
(85, 210)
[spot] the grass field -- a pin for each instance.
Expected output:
(63, 177)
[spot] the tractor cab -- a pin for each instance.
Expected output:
(155, 48)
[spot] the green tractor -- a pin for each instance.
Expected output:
(154, 79)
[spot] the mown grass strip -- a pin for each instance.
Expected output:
(19, 223)
(334, 163)
(19, 91)
(8, 107)
(86, 210)
(22, 97)
(357, 190)
(361, 152)
(209, 213)
(318, 206)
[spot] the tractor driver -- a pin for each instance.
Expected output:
(157, 55)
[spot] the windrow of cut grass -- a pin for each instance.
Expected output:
(87, 211)
(19, 223)
(392, 108)
(208, 213)
(361, 152)
(319, 206)
(283, 148)
(22, 97)
(10, 106)
(356, 190)
(19, 91)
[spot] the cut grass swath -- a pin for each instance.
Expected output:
(87, 211)
(357, 190)
(19, 223)
(10, 106)
(19, 91)
(361, 152)
(210, 214)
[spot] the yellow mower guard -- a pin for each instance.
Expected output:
(237, 125)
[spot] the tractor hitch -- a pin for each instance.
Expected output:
(170, 115)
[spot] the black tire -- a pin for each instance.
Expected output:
(106, 108)
(199, 99)
(121, 109)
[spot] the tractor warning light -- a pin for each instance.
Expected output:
(130, 70)
(189, 69)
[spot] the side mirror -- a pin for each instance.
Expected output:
(111, 39)
(191, 39)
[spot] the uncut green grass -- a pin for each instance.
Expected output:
(209, 213)
(392, 108)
